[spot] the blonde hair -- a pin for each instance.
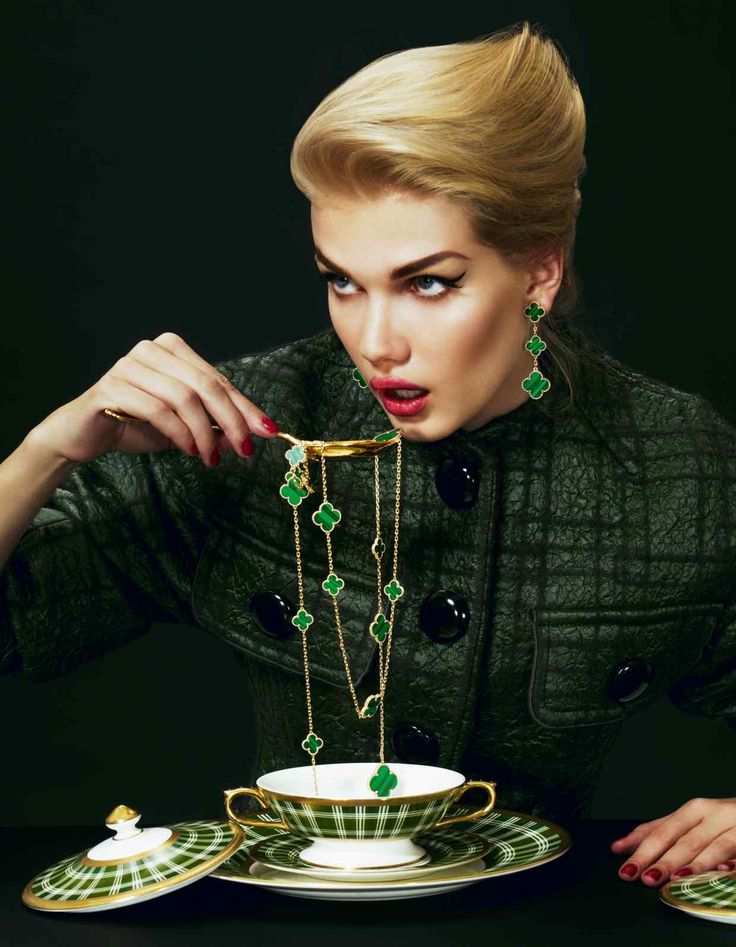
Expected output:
(496, 123)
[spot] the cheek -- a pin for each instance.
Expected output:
(468, 339)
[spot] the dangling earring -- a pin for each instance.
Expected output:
(535, 382)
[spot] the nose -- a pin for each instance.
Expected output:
(380, 339)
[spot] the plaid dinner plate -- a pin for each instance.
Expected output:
(711, 895)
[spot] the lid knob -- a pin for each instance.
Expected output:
(123, 819)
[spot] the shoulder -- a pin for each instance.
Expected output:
(645, 420)
(284, 364)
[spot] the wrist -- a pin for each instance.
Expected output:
(40, 457)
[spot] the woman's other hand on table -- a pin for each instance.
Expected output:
(699, 836)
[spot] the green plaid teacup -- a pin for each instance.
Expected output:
(349, 825)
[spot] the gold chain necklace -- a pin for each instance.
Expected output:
(294, 490)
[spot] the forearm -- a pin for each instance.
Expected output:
(28, 477)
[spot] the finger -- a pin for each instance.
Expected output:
(178, 399)
(634, 837)
(132, 400)
(668, 847)
(189, 391)
(174, 344)
(711, 855)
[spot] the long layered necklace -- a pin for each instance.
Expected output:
(295, 489)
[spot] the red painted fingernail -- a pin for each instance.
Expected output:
(194, 450)
(629, 870)
(215, 458)
(270, 425)
(654, 873)
(682, 871)
(247, 446)
(729, 864)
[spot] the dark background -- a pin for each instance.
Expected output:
(147, 188)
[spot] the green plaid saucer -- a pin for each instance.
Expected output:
(517, 842)
(711, 895)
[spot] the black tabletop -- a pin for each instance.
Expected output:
(562, 902)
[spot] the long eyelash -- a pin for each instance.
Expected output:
(329, 277)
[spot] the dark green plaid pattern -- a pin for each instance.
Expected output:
(72, 881)
(443, 846)
(516, 840)
(596, 537)
(364, 822)
(714, 891)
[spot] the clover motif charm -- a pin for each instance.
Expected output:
(534, 312)
(302, 619)
(295, 455)
(383, 781)
(379, 627)
(535, 345)
(326, 517)
(536, 384)
(333, 584)
(387, 435)
(393, 590)
(293, 491)
(378, 548)
(370, 707)
(313, 744)
(359, 378)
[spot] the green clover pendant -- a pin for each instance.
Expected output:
(333, 584)
(327, 517)
(536, 384)
(379, 627)
(370, 707)
(393, 590)
(383, 781)
(312, 744)
(293, 490)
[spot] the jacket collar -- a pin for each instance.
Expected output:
(601, 411)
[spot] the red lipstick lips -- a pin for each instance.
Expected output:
(401, 407)
(392, 381)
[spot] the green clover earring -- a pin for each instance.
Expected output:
(535, 383)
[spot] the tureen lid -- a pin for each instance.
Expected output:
(133, 865)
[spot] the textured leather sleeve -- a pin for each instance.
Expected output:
(113, 549)
(709, 688)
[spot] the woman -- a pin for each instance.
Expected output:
(567, 528)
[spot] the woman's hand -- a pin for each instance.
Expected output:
(167, 384)
(699, 836)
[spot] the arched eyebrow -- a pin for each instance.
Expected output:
(406, 270)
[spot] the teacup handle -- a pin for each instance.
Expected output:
(258, 794)
(490, 788)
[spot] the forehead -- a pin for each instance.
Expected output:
(393, 227)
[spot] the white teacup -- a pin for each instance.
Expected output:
(349, 827)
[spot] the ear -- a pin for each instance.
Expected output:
(543, 277)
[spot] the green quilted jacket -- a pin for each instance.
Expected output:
(561, 573)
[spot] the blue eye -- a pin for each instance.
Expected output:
(448, 284)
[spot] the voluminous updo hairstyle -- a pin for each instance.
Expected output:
(496, 123)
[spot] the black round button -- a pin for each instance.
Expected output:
(458, 481)
(629, 679)
(444, 616)
(414, 745)
(272, 613)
